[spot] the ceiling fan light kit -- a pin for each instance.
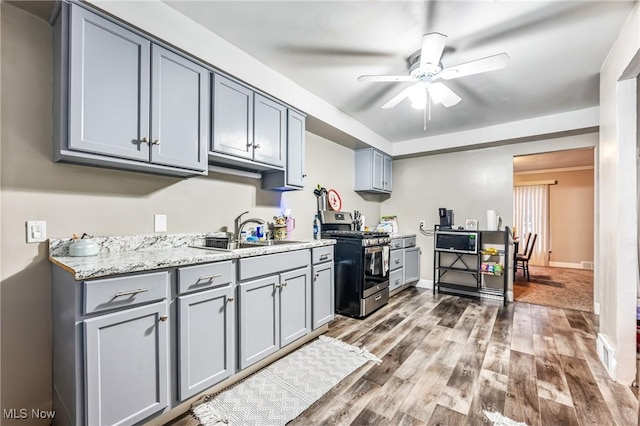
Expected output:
(426, 67)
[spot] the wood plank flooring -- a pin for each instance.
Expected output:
(445, 359)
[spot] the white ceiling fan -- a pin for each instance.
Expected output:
(425, 68)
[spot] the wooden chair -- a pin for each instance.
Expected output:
(522, 260)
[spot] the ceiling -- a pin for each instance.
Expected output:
(556, 49)
(569, 159)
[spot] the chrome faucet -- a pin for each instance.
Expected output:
(237, 225)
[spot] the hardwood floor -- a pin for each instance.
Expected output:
(445, 359)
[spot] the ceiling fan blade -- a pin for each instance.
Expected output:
(385, 78)
(489, 63)
(432, 47)
(440, 93)
(397, 98)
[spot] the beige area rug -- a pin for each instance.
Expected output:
(557, 287)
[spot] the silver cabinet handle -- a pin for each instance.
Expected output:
(378, 297)
(304, 175)
(249, 144)
(397, 261)
(398, 281)
(130, 292)
(278, 285)
(324, 257)
(230, 299)
(284, 284)
(145, 140)
(256, 146)
(164, 318)
(156, 142)
(209, 277)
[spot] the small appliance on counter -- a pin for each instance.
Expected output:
(83, 247)
(446, 218)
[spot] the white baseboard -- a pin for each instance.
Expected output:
(596, 308)
(566, 265)
(424, 283)
(607, 355)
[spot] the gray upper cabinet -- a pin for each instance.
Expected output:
(127, 371)
(373, 171)
(206, 333)
(109, 87)
(179, 111)
(293, 176)
(269, 131)
(249, 129)
(124, 102)
(232, 118)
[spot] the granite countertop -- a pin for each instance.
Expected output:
(393, 236)
(121, 255)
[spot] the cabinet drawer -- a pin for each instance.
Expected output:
(121, 292)
(395, 279)
(396, 243)
(409, 242)
(322, 254)
(396, 259)
(194, 278)
(260, 266)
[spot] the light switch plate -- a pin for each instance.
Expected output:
(160, 223)
(36, 231)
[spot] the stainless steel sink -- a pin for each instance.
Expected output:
(249, 244)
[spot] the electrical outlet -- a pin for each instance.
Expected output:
(421, 224)
(160, 223)
(36, 231)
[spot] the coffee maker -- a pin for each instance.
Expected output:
(446, 218)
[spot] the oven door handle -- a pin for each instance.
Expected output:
(369, 250)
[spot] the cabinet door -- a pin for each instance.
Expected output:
(108, 88)
(378, 170)
(411, 265)
(206, 333)
(126, 365)
(322, 294)
(232, 118)
(387, 173)
(269, 131)
(295, 305)
(295, 149)
(259, 319)
(179, 111)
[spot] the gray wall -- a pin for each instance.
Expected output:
(468, 182)
(76, 199)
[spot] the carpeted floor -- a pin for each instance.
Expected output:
(556, 287)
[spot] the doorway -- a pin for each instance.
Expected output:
(561, 258)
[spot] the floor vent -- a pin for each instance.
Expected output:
(587, 264)
(606, 355)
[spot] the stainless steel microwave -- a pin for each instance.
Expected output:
(457, 241)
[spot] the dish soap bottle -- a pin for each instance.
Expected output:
(316, 228)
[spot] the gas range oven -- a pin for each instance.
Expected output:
(361, 263)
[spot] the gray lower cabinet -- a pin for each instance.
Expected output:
(396, 268)
(127, 367)
(411, 265)
(274, 295)
(110, 348)
(322, 286)
(124, 102)
(274, 311)
(206, 339)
